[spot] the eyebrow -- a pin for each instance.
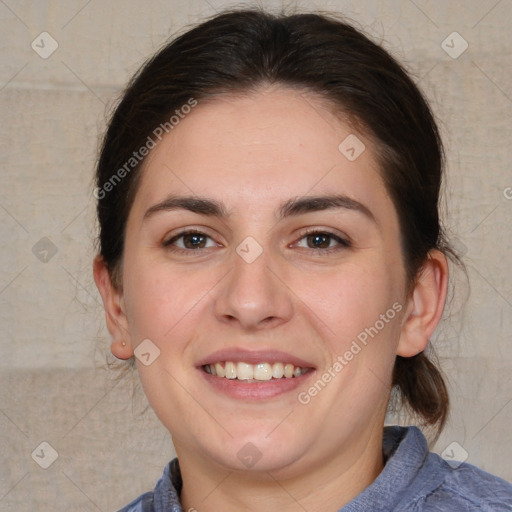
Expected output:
(292, 207)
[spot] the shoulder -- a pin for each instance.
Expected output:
(417, 480)
(144, 503)
(164, 497)
(455, 486)
(465, 487)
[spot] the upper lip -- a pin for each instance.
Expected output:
(253, 357)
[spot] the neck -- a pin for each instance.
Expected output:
(322, 487)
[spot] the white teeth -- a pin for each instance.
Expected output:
(219, 369)
(244, 371)
(230, 370)
(262, 371)
(288, 370)
(250, 372)
(277, 370)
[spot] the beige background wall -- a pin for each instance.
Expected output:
(51, 389)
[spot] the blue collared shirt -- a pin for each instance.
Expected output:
(413, 480)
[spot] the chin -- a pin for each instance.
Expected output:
(259, 453)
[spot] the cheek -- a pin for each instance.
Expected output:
(169, 304)
(165, 307)
(351, 299)
(361, 307)
(159, 300)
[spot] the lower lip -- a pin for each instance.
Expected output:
(263, 390)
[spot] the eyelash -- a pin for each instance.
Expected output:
(342, 242)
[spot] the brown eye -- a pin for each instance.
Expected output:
(323, 240)
(194, 241)
(319, 241)
(189, 240)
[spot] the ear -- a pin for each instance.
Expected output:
(425, 305)
(115, 315)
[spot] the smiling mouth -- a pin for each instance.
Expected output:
(254, 372)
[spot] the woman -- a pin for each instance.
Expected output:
(271, 255)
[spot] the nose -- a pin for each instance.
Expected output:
(254, 295)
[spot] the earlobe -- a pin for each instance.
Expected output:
(121, 349)
(115, 316)
(425, 306)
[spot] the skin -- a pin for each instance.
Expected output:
(252, 153)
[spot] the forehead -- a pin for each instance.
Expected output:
(254, 150)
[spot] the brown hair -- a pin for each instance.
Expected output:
(238, 51)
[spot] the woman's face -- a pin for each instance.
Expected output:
(297, 262)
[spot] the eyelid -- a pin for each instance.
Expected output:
(327, 231)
